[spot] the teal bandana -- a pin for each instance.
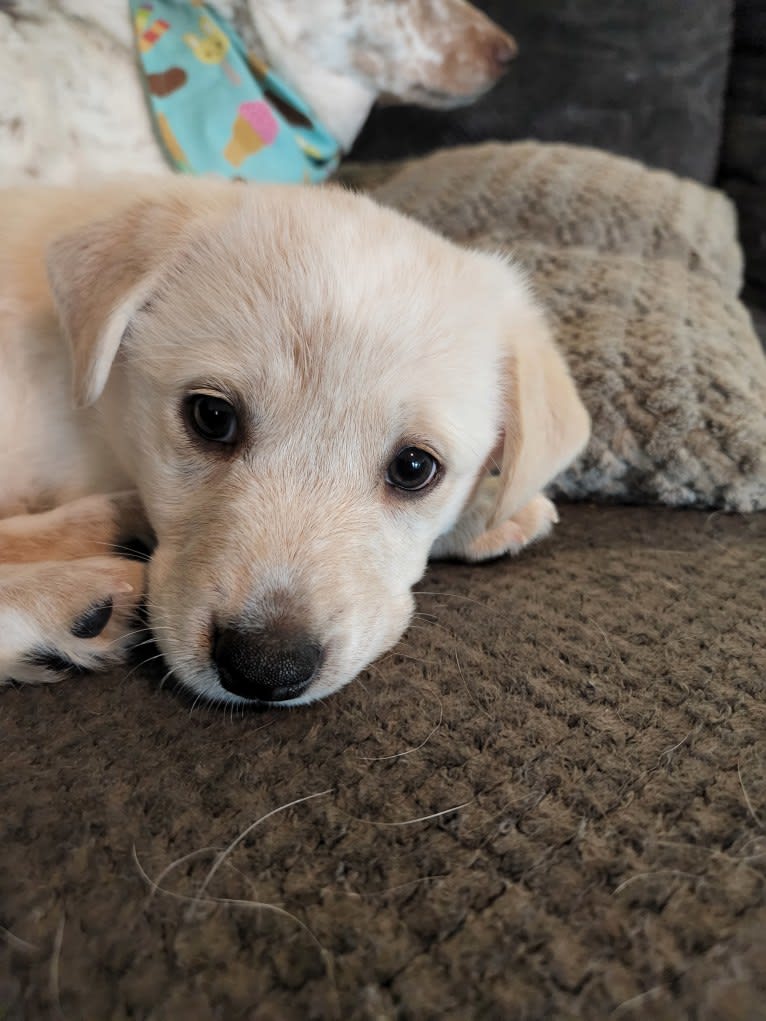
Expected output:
(218, 109)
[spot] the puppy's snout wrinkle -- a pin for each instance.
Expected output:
(265, 666)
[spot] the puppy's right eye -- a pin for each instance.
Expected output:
(412, 469)
(212, 418)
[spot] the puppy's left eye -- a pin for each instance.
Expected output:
(212, 418)
(412, 469)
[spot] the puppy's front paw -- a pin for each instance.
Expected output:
(64, 619)
(527, 525)
(471, 540)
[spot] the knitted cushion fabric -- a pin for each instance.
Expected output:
(639, 271)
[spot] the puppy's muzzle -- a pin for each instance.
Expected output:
(265, 666)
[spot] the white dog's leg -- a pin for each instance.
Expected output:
(66, 605)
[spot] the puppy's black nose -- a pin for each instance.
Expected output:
(263, 666)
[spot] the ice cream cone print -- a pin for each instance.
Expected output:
(254, 128)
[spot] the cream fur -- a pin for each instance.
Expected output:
(342, 332)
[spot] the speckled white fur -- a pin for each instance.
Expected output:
(72, 105)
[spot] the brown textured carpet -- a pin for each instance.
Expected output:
(595, 709)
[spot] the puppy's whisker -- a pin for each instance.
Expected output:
(114, 547)
(453, 595)
(142, 664)
(200, 698)
(131, 634)
(141, 645)
(403, 655)
(165, 677)
(442, 627)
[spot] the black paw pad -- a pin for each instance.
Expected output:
(91, 623)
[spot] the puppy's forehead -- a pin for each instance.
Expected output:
(318, 254)
(321, 292)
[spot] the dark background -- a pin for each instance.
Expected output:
(679, 84)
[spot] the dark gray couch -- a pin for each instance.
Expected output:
(677, 85)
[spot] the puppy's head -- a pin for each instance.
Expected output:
(307, 390)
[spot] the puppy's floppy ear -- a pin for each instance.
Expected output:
(544, 426)
(101, 274)
(545, 423)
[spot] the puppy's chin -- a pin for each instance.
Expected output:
(205, 688)
(203, 684)
(193, 671)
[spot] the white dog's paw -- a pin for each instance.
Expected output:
(58, 620)
(471, 540)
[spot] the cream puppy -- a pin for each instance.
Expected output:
(307, 393)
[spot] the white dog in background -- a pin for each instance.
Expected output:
(308, 393)
(72, 104)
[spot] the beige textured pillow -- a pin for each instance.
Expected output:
(640, 272)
